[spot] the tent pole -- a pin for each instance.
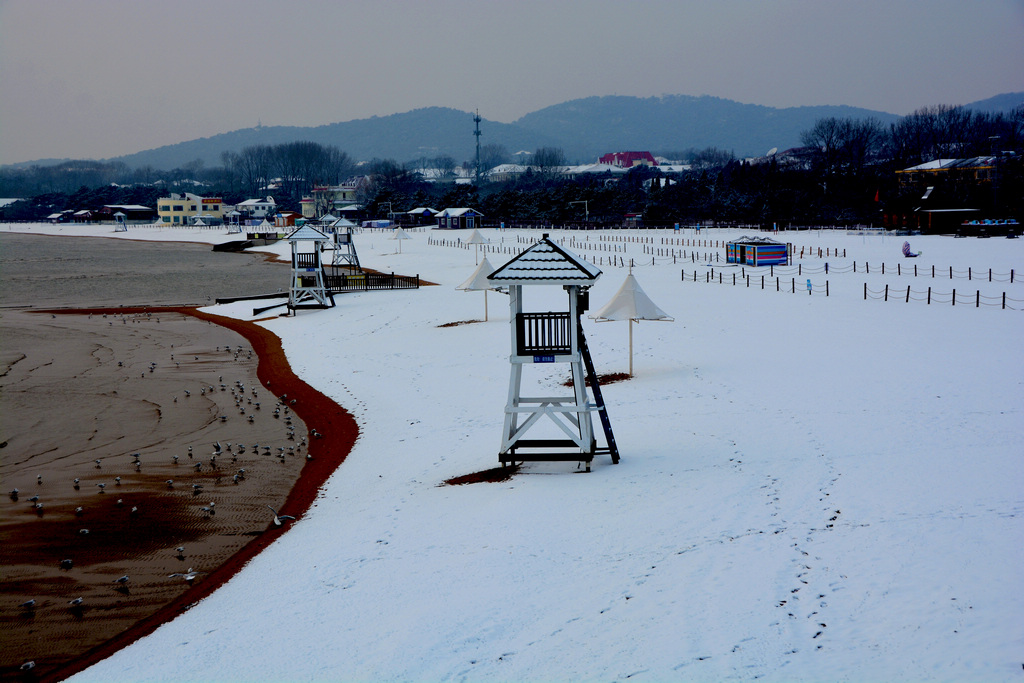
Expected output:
(630, 347)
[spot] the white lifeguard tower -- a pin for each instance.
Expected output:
(343, 249)
(551, 337)
(308, 283)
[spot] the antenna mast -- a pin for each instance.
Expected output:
(476, 133)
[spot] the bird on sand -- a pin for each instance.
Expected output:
(279, 519)
(101, 487)
(28, 604)
(181, 552)
(28, 666)
(189, 576)
(77, 602)
(79, 510)
(77, 484)
(67, 564)
(121, 580)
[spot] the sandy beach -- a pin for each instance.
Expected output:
(108, 429)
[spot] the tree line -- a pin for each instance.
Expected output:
(845, 172)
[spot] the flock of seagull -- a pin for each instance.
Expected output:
(247, 405)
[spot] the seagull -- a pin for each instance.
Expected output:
(79, 510)
(84, 532)
(77, 602)
(117, 481)
(181, 552)
(121, 580)
(28, 604)
(189, 576)
(28, 666)
(67, 564)
(279, 518)
(39, 479)
(76, 484)
(170, 483)
(14, 494)
(97, 464)
(101, 487)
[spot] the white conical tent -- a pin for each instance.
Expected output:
(478, 281)
(631, 303)
(476, 239)
(400, 235)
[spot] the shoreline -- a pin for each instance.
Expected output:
(339, 430)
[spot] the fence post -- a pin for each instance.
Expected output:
(968, 273)
(1004, 301)
(908, 295)
(886, 293)
(883, 267)
(990, 275)
(929, 296)
(793, 284)
(762, 282)
(915, 270)
(826, 288)
(951, 272)
(800, 269)
(899, 270)
(954, 296)
(865, 291)
(777, 287)
(977, 299)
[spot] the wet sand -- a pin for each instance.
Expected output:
(79, 387)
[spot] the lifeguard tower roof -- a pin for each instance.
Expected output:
(307, 233)
(546, 263)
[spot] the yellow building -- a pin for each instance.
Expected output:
(187, 208)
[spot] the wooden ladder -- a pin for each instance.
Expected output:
(602, 411)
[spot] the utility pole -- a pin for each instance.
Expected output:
(476, 119)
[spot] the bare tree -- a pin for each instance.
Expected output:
(548, 160)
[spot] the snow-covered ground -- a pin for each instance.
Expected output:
(811, 488)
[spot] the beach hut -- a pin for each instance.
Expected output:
(540, 338)
(758, 251)
(459, 218)
(307, 284)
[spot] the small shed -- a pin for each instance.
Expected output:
(458, 219)
(758, 251)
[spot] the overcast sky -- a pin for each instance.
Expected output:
(102, 78)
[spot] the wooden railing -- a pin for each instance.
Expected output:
(306, 260)
(361, 282)
(541, 334)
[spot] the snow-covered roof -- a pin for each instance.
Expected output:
(307, 232)
(754, 240)
(422, 211)
(454, 213)
(546, 263)
(946, 164)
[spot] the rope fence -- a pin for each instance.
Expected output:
(953, 298)
(758, 282)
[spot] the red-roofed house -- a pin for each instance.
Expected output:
(628, 159)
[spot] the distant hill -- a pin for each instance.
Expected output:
(1000, 104)
(584, 129)
(590, 127)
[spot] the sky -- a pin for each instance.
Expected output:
(104, 78)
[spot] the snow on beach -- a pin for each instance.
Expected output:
(811, 488)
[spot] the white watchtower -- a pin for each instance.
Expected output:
(551, 337)
(307, 270)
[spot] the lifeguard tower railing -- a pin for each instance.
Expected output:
(543, 334)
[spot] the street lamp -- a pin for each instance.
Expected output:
(586, 209)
